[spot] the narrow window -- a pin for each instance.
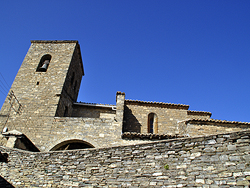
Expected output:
(152, 123)
(44, 63)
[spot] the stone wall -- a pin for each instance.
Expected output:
(212, 161)
(3, 140)
(136, 116)
(93, 111)
(99, 132)
(71, 85)
(194, 129)
(198, 114)
(174, 119)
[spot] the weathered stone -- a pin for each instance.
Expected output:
(231, 147)
(202, 181)
(208, 181)
(234, 158)
(210, 142)
(223, 157)
(243, 182)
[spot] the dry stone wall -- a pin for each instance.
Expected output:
(212, 161)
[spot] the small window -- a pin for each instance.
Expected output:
(152, 123)
(44, 63)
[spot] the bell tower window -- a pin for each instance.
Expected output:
(44, 63)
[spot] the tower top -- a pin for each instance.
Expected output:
(54, 41)
(61, 42)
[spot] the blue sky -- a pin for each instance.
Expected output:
(190, 52)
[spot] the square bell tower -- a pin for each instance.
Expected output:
(46, 85)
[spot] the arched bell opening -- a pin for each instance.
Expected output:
(72, 145)
(44, 63)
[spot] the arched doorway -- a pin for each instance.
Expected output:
(72, 145)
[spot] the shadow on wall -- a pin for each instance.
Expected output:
(131, 124)
(4, 183)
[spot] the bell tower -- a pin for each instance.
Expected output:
(46, 85)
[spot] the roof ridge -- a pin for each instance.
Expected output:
(89, 103)
(219, 121)
(199, 112)
(154, 102)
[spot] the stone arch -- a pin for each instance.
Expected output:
(44, 63)
(152, 123)
(72, 145)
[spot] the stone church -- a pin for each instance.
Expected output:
(41, 112)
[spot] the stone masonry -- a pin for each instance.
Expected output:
(213, 161)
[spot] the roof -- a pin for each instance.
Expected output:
(157, 104)
(212, 121)
(113, 107)
(191, 112)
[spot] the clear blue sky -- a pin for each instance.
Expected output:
(194, 52)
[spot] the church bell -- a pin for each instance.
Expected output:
(44, 67)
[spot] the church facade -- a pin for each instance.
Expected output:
(41, 112)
